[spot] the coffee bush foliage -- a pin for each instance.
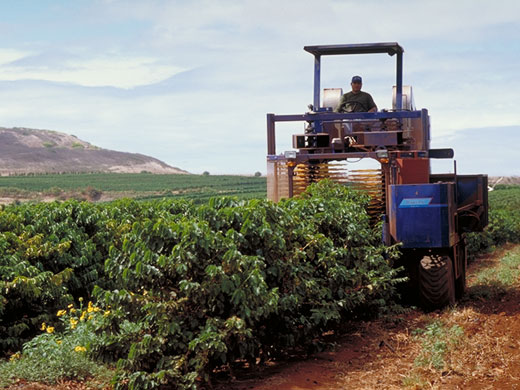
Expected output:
(51, 255)
(191, 288)
(504, 221)
(236, 281)
(186, 290)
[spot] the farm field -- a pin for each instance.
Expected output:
(191, 295)
(109, 186)
(473, 345)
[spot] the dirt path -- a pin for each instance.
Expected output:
(475, 345)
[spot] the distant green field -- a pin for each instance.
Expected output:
(144, 186)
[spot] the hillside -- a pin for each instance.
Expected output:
(24, 151)
(508, 180)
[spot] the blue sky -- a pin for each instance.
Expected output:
(190, 82)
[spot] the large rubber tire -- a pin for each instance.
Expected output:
(436, 282)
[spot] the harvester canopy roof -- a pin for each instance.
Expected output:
(362, 48)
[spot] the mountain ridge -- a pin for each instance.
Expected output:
(37, 151)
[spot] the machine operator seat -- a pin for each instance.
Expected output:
(408, 103)
(331, 97)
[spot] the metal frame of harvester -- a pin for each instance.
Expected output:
(428, 214)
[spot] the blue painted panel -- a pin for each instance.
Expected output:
(421, 215)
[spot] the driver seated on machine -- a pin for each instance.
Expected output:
(356, 100)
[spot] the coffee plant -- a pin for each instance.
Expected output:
(51, 255)
(185, 290)
(235, 281)
(504, 221)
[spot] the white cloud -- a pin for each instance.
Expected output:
(10, 55)
(212, 23)
(114, 71)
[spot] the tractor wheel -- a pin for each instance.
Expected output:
(436, 281)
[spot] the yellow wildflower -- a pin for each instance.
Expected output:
(106, 313)
(70, 306)
(72, 311)
(79, 348)
(90, 317)
(83, 315)
(58, 342)
(73, 323)
(15, 356)
(61, 313)
(90, 307)
(50, 329)
(44, 326)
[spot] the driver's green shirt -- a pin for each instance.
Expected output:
(355, 102)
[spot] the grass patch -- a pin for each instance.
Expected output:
(53, 191)
(494, 281)
(507, 273)
(50, 369)
(14, 192)
(415, 381)
(438, 341)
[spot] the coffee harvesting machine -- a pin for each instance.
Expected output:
(428, 214)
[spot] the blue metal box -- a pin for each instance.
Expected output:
(423, 215)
